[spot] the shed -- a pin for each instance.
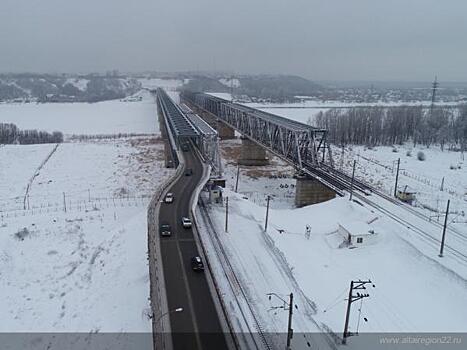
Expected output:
(357, 232)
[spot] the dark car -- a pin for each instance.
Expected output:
(188, 172)
(185, 147)
(197, 263)
(165, 230)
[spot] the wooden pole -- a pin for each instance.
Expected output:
(267, 213)
(226, 214)
(444, 230)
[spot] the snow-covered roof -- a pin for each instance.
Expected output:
(357, 228)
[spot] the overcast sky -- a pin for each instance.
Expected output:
(318, 39)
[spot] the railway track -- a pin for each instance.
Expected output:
(235, 283)
(362, 192)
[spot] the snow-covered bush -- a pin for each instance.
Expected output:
(395, 150)
(421, 156)
(22, 234)
(409, 153)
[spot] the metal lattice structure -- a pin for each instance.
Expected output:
(180, 126)
(300, 144)
(209, 141)
(183, 125)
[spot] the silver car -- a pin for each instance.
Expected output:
(186, 222)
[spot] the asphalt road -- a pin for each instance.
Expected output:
(198, 325)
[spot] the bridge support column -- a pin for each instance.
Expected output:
(310, 191)
(252, 154)
(225, 132)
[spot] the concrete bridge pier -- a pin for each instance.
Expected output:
(310, 191)
(252, 154)
(225, 132)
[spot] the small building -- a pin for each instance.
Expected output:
(215, 194)
(406, 194)
(357, 233)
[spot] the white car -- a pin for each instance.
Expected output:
(186, 222)
(169, 197)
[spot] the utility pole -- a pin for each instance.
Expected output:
(267, 213)
(289, 327)
(64, 202)
(354, 285)
(444, 230)
(353, 176)
(226, 214)
(433, 94)
(238, 174)
(397, 177)
(288, 307)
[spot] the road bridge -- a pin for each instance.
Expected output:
(186, 127)
(200, 321)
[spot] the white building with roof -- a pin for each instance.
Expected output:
(357, 233)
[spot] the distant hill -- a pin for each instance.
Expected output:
(267, 87)
(61, 88)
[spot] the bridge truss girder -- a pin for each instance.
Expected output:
(299, 143)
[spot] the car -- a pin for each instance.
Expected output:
(169, 197)
(188, 172)
(165, 230)
(197, 263)
(186, 222)
(185, 147)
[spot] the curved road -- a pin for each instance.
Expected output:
(198, 326)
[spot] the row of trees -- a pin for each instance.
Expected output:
(11, 134)
(374, 126)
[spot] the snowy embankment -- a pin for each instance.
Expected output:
(75, 260)
(323, 266)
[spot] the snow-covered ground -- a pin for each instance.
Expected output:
(318, 271)
(255, 183)
(109, 117)
(402, 263)
(83, 270)
(378, 166)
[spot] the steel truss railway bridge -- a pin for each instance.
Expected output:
(303, 146)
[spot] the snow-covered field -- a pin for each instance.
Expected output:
(84, 269)
(109, 117)
(73, 226)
